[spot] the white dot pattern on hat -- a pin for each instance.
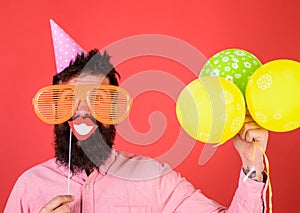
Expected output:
(65, 48)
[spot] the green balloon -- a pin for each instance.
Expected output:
(236, 65)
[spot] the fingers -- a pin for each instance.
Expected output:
(260, 135)
(248, 132)
(62, 209)
(58, 204)
(251, 130)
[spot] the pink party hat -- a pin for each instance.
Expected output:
(65, 47)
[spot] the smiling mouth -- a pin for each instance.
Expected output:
(83, 129)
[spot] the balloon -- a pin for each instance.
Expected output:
(211, 109)
(273, 95)
(236, 65)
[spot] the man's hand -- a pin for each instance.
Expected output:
(59, 204)
(244, 144)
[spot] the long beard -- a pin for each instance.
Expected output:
(85, 155)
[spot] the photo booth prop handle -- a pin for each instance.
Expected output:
(69, 162)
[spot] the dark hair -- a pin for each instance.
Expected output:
(92, 63)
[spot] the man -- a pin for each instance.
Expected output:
(107, 180)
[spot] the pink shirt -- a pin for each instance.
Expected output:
(125, 183)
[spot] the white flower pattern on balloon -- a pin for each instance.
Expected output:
(228, 97)
(224, 117)
(215, 72)
(239, 107)
(238, 76)
(247, 64)
(229, 78)
(261, 117)
(216, 61)
(236, 124)
(203, 136)
(277, 116)
(235, 65)
(227, 68)
(225, 59)
(235, 60)
(264, 81)
(291, 125)
(239, 53)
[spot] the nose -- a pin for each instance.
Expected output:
(82, 109)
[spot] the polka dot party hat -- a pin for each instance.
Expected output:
(65, 48)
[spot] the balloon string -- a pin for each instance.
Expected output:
(268, 171)
(254, 151)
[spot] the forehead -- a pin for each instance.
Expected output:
(89, 80)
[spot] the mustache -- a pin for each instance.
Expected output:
(86, 116)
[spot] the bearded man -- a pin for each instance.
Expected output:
(102, 179)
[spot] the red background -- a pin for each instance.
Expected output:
(269, 29)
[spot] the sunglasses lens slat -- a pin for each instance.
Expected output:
(107, 103)
(54, 104)
(110, 104)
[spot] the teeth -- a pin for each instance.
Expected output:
(83, 129)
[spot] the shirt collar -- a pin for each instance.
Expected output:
(107, 164)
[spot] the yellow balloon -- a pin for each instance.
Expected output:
(273, 95)
(211, 109)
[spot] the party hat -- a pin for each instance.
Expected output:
(65, 47)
